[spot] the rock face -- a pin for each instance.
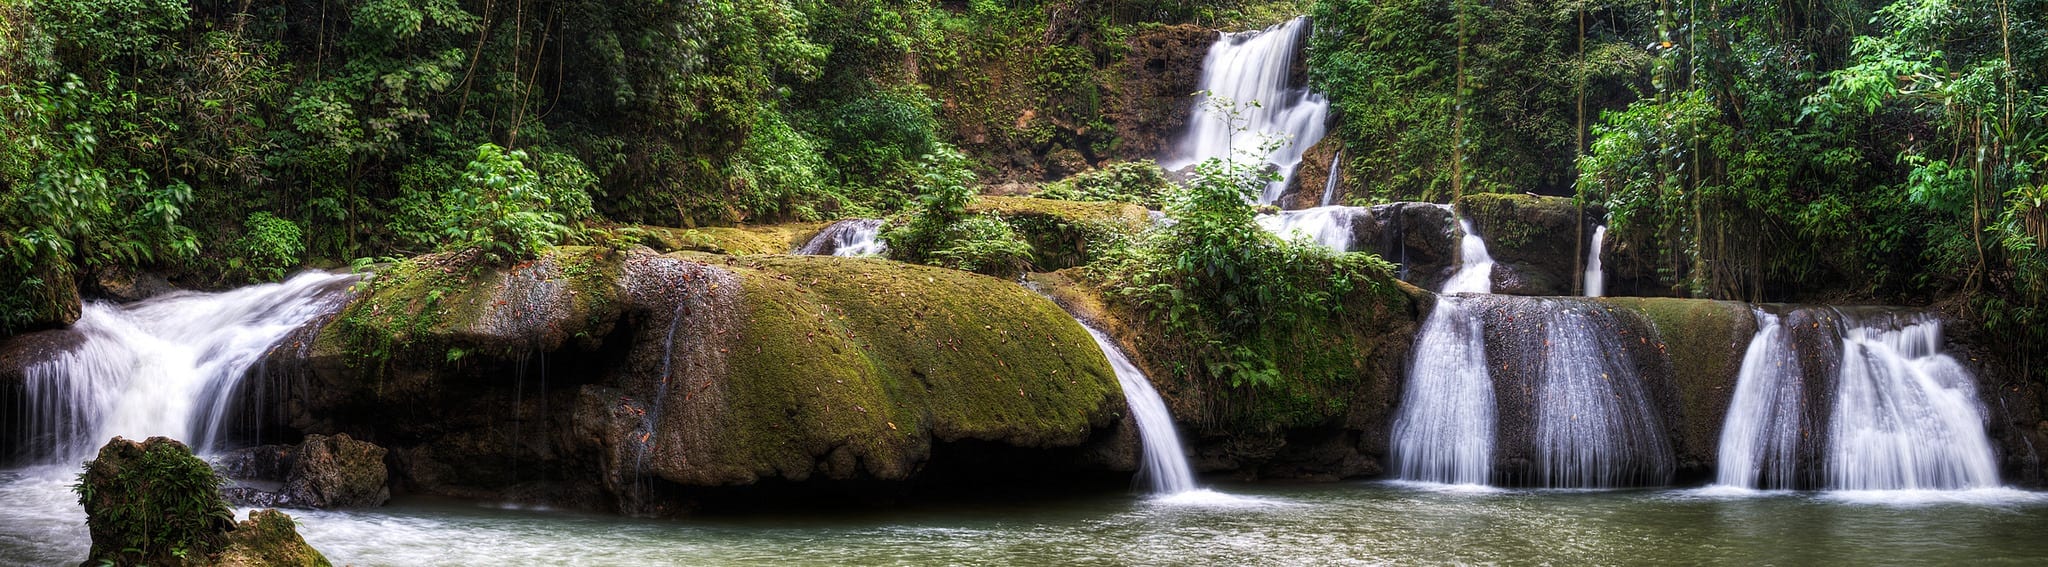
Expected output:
(1159, 74)
(1064, 234)
(1311, 178)
(651, 383)
(153, 503)
(1538, 243)
(1421, 237)
(322, 472)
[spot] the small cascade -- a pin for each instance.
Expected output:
(167, 366)
(1330, 185)
(1165, 464)
(1595, 424)
(1760, 439)
(1475, 265)
(1906, 416)
(1248, 67)
(1596, 280)
(1445, 430)
(850, 237)
(1328, 226)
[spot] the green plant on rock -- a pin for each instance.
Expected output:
(1140, 182)
(152, 503)
(940, 232)
(502, 208)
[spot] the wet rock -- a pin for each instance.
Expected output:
(1311, 178)
(123, 285)
(153, 503)
(269, 539)
(337, 472)
(1538, 243)
(1160, 72)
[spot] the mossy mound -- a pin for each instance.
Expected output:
(1064, 234)
(1538, 243)
(739, 240)
(451, 305)
(1705, 341)
(154, 503)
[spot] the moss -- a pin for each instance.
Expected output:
(1705, 341)
(1064, 234)
(152, 503)
(865, 358)
(1512, 221)
(741, 240)
(442, 307)
(269, 538)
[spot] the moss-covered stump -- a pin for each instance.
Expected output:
(1327, 419)
(154, 503)
(1064, 234)
(1538, 243)
(739, 240)
(1706, 342)
(636, 381)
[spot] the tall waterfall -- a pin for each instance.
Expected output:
(1595, 424)
(1906, 416)
(1445, 430)
(1328, 226)
(1165, 464)
(167, 366)
(850, 237)
(1760, 437)
(1255, 67)
(1596, 280)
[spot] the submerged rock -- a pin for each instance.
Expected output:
(154, 503)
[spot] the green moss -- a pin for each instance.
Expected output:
(741, 240)
(1064, 234)
(1512, 221)
(268, 538)
(1705, 341)
(873, 356)
(152, 503)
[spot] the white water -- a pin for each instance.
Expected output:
(1595, 425)
(1760, 438)
(1906, 416)
(850, 237)
(1165, 464)
(1330, 184)
(1252, 69)
(167, 366)
(1445, 430)
(1327, 226)
(1596, 280)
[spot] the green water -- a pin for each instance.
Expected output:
(1332, 524)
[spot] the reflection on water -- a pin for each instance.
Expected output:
(1354, 523)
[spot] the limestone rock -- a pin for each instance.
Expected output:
(337, 472)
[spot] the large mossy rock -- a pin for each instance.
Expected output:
(635, 381)
(1705, 342)
(1065, 234)
(154, 503)
(1538, 243)
(736, 240)
(337, 472)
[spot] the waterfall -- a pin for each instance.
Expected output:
(166, 366)
(1445, 429)
(1596, 280)
(1330, 185)
(1328, 226)
(1255, 67)
(1595, 424)
(850, 237)
(1760, 437)
(1165, 464)
(1906, 416)
(1475, 266)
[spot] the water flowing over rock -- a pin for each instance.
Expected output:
(1166, 464)
(1596, 278)
(173, 366)
(1760, 441)
(851, 237)
(1906, 415)
(1247, 67)
(1475, 264)
(1333, 227)
(1596, 426)
(1330, 183)
(1445, 430)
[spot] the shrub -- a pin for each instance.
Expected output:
(501, 208)
(152, 503)
(1140, 182)
(941, 233)
(269, 246)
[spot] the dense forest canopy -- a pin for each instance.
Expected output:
(1852, 150)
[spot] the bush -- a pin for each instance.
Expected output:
(1140, 182)
(501, 208)
(941, 233)
(269, 246)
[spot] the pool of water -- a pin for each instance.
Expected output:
(1359, 523)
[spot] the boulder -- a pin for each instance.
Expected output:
(154, 503)
(268, 539)
(337, 472)
(1312, 177)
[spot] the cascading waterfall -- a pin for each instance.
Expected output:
(1445, 430)
(1330, 185)
(1249, 67)
(850, 237)
(1906, 415)
(1327, 226)
(1595, 425)
(1165, 463)
(167, 366)
(1596, 280)
(1760, 438)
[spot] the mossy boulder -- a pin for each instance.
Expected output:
(154, 503)
(637, 381)
(1064, 234)
(735, 240)
(1538, 243)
